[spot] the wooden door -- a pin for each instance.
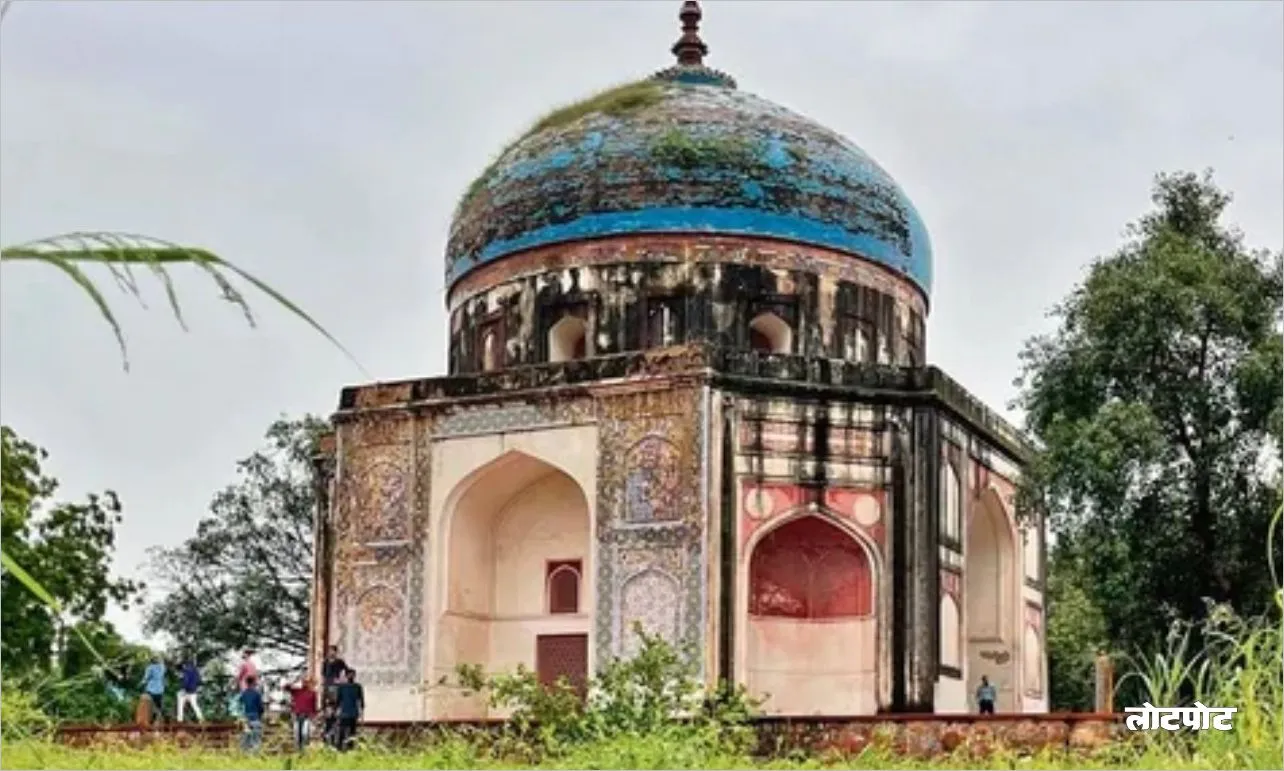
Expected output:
(562, 656)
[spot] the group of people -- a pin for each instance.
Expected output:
(151, 707)
(340, 705)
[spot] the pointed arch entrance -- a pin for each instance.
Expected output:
(811, 627)
(990, 600)
(517, 561)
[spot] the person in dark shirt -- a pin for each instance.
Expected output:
(330, 715)
(303, 706)
(351, 704)
(252, 709)
(187, 696)
(333, 667)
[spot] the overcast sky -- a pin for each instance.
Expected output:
(322, 146)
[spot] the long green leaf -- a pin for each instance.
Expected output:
(34, 586)
(121, 252)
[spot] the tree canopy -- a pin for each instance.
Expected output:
(242, 579)
(1156, 403)
(67, 547)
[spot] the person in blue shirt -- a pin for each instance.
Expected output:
(191, 683)
(154, 686)
(985, 695)
(252, 708)
(351, 704)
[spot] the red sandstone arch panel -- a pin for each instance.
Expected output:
(809, 569)
(811, 630)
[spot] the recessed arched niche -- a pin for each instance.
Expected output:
(768, 333)
(568, 339)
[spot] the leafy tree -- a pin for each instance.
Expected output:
(95, 679)
(1157, 405)
(66, 547)
(1076, 632)
(243, 578)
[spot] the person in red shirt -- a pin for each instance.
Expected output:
(303, 705)
(247, 670)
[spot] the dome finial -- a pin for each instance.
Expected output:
(690, 49)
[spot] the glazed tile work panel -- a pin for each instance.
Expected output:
(650, 595)
(378, 578)
(649, 459)
(650, 514)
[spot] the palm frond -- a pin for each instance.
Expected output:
(121, 253)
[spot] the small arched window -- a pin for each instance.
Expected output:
(909, 356)
(663, 322)
(884, 350)
(563, 587)
(567, 339)
(768, 333)
(951, 503)
(490, 350)
(858, 341)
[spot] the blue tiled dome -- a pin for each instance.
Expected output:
(686, 152)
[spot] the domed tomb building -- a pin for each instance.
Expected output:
(688, 390)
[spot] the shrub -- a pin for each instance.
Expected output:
(20, 716)
(656, 693)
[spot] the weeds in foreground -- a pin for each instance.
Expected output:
(626, 721)
(637, 752)
(638, 696)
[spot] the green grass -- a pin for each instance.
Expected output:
(684, 151)
(628, 725)
(615, 101)
(640, 752)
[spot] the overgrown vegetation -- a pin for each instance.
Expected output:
(628, 697)
(649, 711)
(685, 151)
(1241, 665)
(616, 101)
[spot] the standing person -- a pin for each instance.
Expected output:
(333, 667)
(985, 695)
(352, 703)
(247, 671)
(303, 705)
(252, 708)
(191, 683)
(154, 686)
(330, 716)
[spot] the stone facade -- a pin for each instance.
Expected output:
(688, 458)
(687, 391)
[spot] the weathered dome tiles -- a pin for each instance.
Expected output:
(675, 154)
